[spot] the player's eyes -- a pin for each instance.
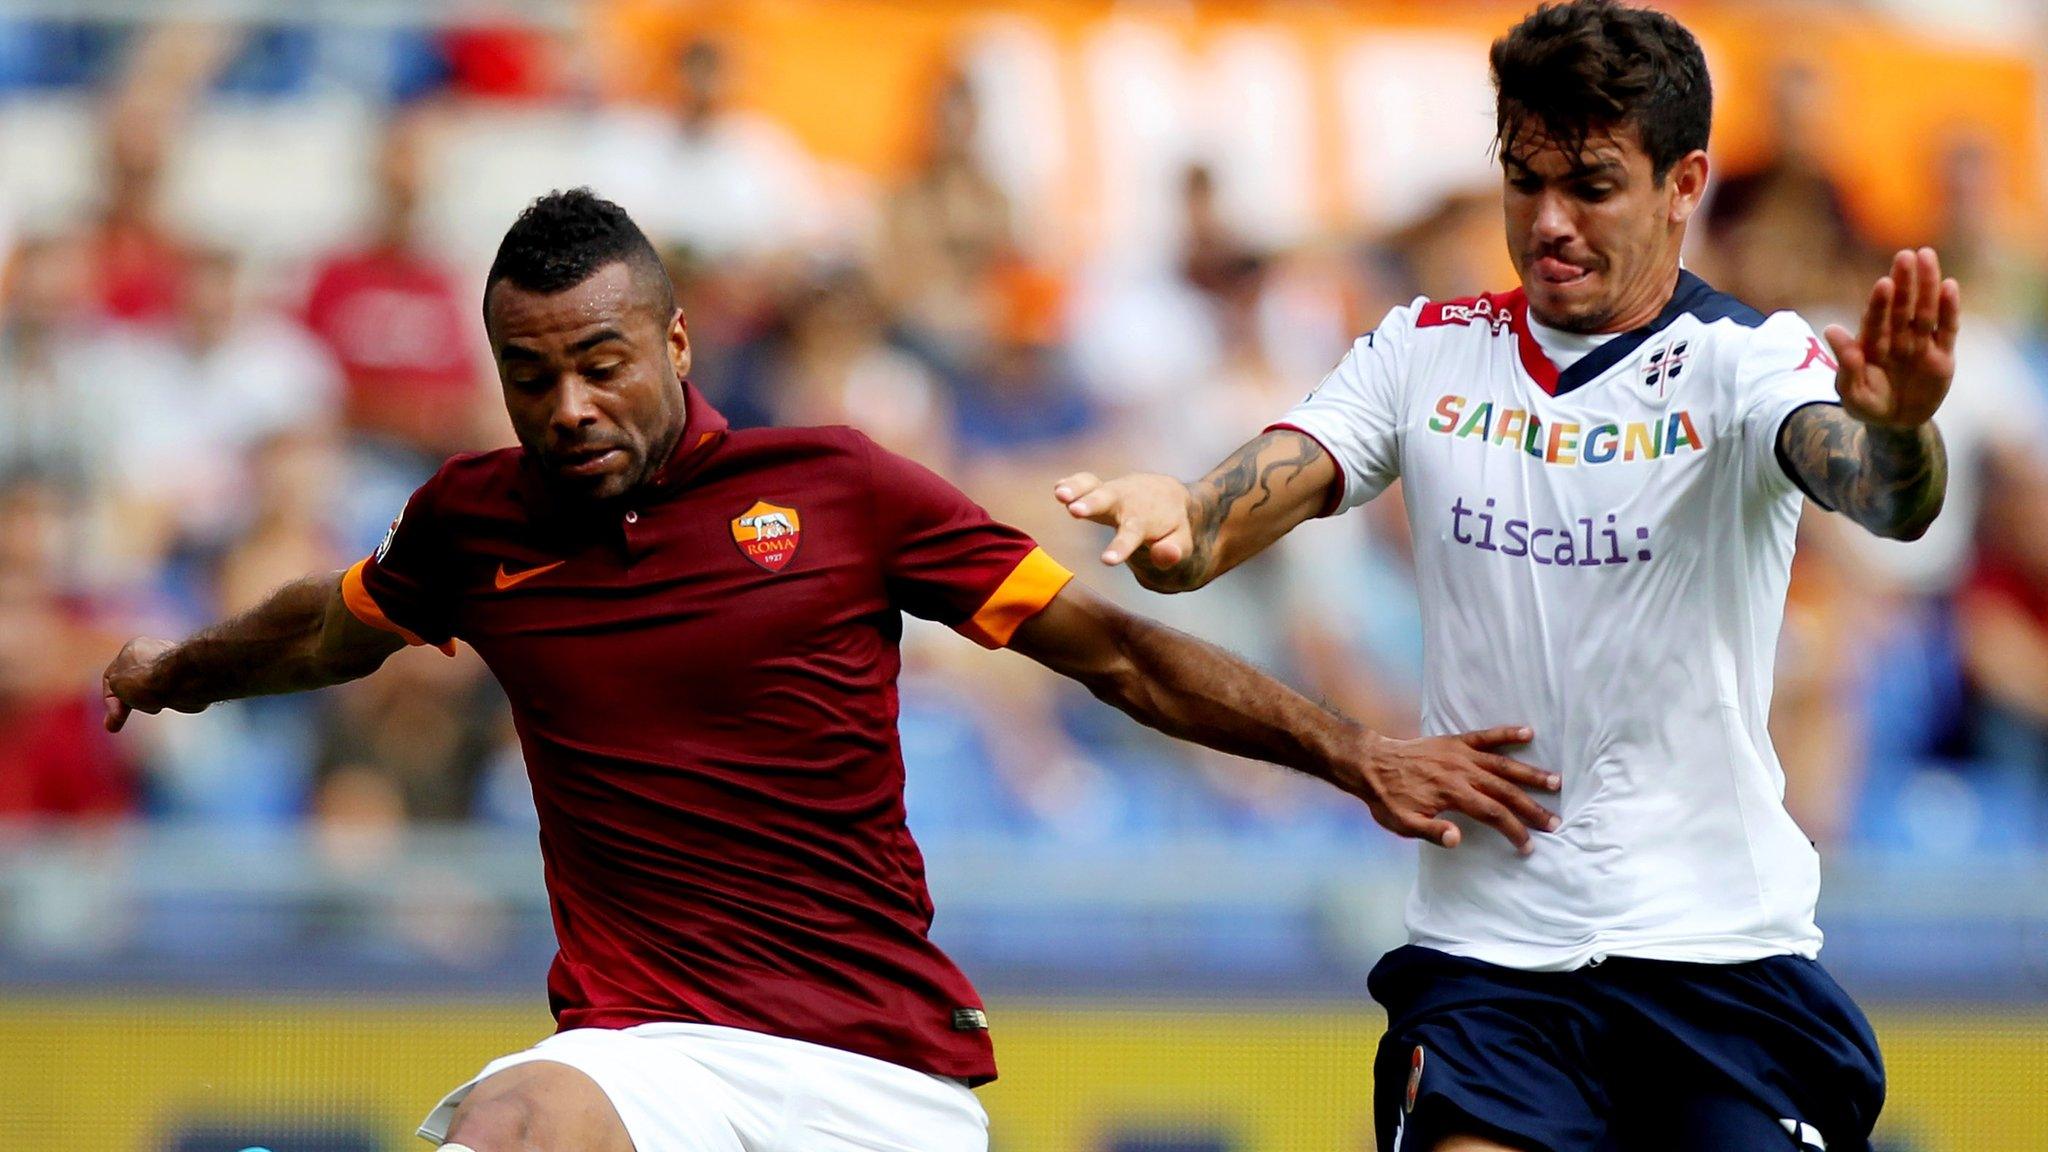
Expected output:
(602, 371)
(1595, 192)
(1525, 183)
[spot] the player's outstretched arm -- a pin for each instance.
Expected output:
(1195, 691)
(1878, 458)
(1178, 537)
(302, 637)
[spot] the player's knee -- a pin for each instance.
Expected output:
(538, 1107)
(504, 1120)
(502, 1123)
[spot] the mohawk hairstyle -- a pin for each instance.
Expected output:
(563, 238)
(1585, 67)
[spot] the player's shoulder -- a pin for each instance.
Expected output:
(1707, 305)
(468, 478)
(1722, 318)
(824, 455)
(805, 443)
(1424, 320)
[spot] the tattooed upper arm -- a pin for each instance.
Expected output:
(1889, 481)
(1253, 498)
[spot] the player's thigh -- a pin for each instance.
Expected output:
(1752, 1047)
(1718, 1122)
(944, 1117)
(598, 1090)
(1486, 1056)
(828, 1100)
(540, 1104)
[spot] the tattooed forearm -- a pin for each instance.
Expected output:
(1890, 481)
(1246, 484)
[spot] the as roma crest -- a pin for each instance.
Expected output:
(768, 534)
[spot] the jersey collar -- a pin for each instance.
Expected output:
(1690, 294)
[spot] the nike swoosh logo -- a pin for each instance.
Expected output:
(508, 579)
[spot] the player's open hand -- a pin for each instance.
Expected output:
(1895, 372)
(1410, 784)
(129, 683)
(1149, 512)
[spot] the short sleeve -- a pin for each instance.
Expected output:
(403, 586)
(945, 559)
(1356, 412)
(1784, 367)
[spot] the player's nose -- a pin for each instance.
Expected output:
(1553, 224)
(573, 408)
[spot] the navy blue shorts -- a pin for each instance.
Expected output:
(1623, 1056)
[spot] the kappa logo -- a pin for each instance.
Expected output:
(1481, 310)
(768, 534)
(1815, 354)
(1661, 368)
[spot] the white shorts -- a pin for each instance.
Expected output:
(702, 1088)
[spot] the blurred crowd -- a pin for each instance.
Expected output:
(185, 429)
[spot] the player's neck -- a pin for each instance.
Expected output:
(1659, 290)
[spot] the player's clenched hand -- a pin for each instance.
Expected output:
(1149, 512)
(1411, 784)
(129, 684)
(1895, 372)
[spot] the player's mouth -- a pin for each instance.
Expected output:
(592, 462)
(1559, 273)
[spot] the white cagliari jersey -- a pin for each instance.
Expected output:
(1602, 555)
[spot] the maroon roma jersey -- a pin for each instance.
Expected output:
(704, 681)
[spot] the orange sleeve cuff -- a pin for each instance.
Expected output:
(362, 607)
(1024, 593)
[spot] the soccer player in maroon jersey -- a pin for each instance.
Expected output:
(697, 629)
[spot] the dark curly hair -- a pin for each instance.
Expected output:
(563, 238)
(1587, 67)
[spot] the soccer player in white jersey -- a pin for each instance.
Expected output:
(1603, 471)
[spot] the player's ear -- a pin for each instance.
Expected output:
(679, 345)
(1687, 184)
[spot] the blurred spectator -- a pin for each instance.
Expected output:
(1983, 243)
(398, 320)
(503, 62)
(53, 415)
(733, 309)
(1455, 248)
(190, 399)
(948, 231)
(249, 762)
(720, 181)
(415, 740)
(138, 262)
(1019, 398)
(834, 366)
(1781, 229)
(2004, 612)
(56, 761)
(1830, 629)
(1987, 424)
